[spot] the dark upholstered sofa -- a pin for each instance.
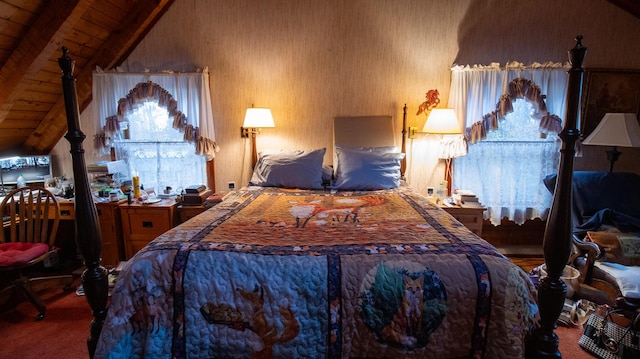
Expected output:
(606, 235)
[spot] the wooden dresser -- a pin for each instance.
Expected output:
(141, 223)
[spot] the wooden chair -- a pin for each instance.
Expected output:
(30, 218)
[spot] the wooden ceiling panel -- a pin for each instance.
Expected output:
(21, 123)
(122, 40)
(38, 106)
(39, 96)
(24, 116)
(32, 33)
(8, 28)
(44, 87)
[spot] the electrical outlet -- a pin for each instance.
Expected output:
(231, 185)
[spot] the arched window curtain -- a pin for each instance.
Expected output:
(496, 171)
(185, 95)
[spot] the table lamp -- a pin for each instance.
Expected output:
(615, 129)
(443, 121)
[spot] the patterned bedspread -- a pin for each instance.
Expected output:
(273, 273)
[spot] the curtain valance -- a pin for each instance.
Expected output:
(186, 96)
(483, 95)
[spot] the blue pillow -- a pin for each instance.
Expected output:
(289, 169)
(365, 170)
(379, 149)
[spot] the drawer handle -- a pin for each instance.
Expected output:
(65, 212)
(147, 224)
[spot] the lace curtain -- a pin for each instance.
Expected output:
(507, 173)
(185, 95)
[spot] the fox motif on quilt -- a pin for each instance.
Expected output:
(407, 321)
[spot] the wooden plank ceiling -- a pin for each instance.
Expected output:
(32, 33)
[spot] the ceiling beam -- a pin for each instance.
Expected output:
(37, 46)
(631, 6)
(118, 46)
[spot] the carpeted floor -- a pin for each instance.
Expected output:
(62, 334)
(64, 331)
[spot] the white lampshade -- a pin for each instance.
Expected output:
(258, 118)
(443, 121)
(616, 129)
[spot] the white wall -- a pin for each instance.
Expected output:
(310, 61)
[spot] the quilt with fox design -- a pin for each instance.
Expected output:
(276, 273)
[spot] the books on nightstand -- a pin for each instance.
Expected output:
(466, 199)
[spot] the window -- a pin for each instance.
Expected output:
(157, 152)
(511, 163)
(504, 110)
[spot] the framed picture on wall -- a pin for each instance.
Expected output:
(606, 91)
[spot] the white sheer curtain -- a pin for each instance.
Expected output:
(185, 95)
(507, 173)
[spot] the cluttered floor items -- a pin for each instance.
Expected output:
(610, 335)
(607, 333)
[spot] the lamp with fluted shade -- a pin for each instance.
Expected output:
(615, 129)
(255, 119)
(443, 121)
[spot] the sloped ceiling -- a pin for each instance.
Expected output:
(32, 33)
(632, 6)
(96, 32)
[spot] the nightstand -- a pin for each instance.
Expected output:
(188, 212)
(142, 223)
(111, 229)
(470, 217)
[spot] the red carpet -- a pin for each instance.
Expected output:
(569, 343)
(62, 334)
(64, 331)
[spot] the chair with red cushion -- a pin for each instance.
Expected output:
(30, 221)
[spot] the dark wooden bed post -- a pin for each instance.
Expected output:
(88, 237)
(557, 235)
(403, 162)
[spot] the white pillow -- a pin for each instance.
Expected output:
(366, 169)
(289, 169)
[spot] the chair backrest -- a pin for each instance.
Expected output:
(30, 214)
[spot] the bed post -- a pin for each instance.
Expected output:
(557, 235)
(403, 162)
(88, 237)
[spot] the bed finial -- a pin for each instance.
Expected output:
(578, 53)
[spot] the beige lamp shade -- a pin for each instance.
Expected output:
(258, 118)
(442, 121)
(616, 129)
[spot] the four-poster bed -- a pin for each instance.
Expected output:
(349, 301)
